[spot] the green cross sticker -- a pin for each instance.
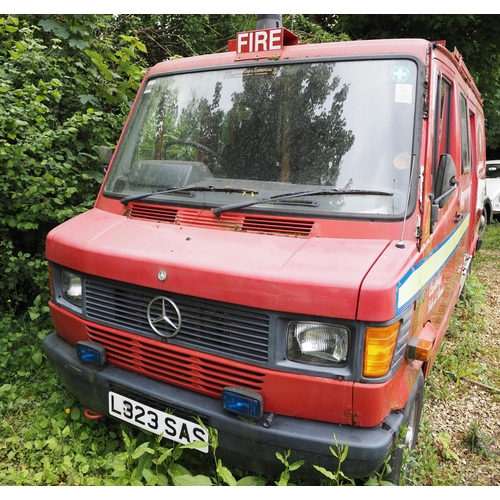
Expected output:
(400, 74)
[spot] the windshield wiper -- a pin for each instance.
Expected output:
(134, 197)
(324, 191)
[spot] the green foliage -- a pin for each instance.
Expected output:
(65, 86)
(169, 36)
(309, 31)
(491, 241)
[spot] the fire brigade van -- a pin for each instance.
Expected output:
(276, 250)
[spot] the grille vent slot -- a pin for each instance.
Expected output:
(232, 222)
(173, 365)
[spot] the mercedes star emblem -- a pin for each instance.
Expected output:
(164, 317)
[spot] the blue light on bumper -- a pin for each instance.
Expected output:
(242, 402)
(91, 353)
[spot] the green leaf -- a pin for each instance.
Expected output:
(175, 469)
(37, 358)
(251, 481)
(149, 477)
(140, 450)
(33, 313)
(88, 98)
(188, 480)
(57, 29)
(296, 465)
(195, 445)
(325, 472)
(372, 481)
(75, 413)
(225, 474)
(78, 43)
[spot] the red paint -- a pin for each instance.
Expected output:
(287, 274)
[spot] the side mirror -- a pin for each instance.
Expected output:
(105, 155)
(446, 183)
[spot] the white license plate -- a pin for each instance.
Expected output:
(143, 416)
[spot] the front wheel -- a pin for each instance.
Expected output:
(413, 410)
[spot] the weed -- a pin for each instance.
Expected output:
(425, 465)
(285, 475)
(477, 440)
(337, 477)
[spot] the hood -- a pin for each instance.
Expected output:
(314, 276)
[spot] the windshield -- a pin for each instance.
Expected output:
(255, 133)
(492, 170)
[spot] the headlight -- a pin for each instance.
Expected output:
(71, 287)
(317, 343)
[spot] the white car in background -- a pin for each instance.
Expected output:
(493, 186)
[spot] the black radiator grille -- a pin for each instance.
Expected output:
(219, 328)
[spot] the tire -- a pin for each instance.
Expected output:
(413, 411)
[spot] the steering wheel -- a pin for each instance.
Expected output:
(194, 144)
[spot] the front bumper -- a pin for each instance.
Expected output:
(251, 446)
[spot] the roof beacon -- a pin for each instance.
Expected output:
(267, 21)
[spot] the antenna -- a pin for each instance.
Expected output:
(400, 243)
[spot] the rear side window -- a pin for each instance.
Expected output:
(465, 136)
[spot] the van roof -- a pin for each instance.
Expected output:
(416, 47)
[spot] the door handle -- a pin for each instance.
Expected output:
(458, 218)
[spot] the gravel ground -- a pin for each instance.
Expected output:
(473, 406)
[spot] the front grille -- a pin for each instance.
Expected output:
(173, 365)
(223, 329)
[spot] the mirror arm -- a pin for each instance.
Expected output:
(454, 184)
(437, 203)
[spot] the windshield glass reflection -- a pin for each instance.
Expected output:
(274, 129)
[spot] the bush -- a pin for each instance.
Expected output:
(65, 89)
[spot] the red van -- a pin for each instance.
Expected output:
(281, 237)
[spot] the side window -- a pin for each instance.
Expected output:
(444, 169)
(442, 134)
(465, 136)
(474, 153)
